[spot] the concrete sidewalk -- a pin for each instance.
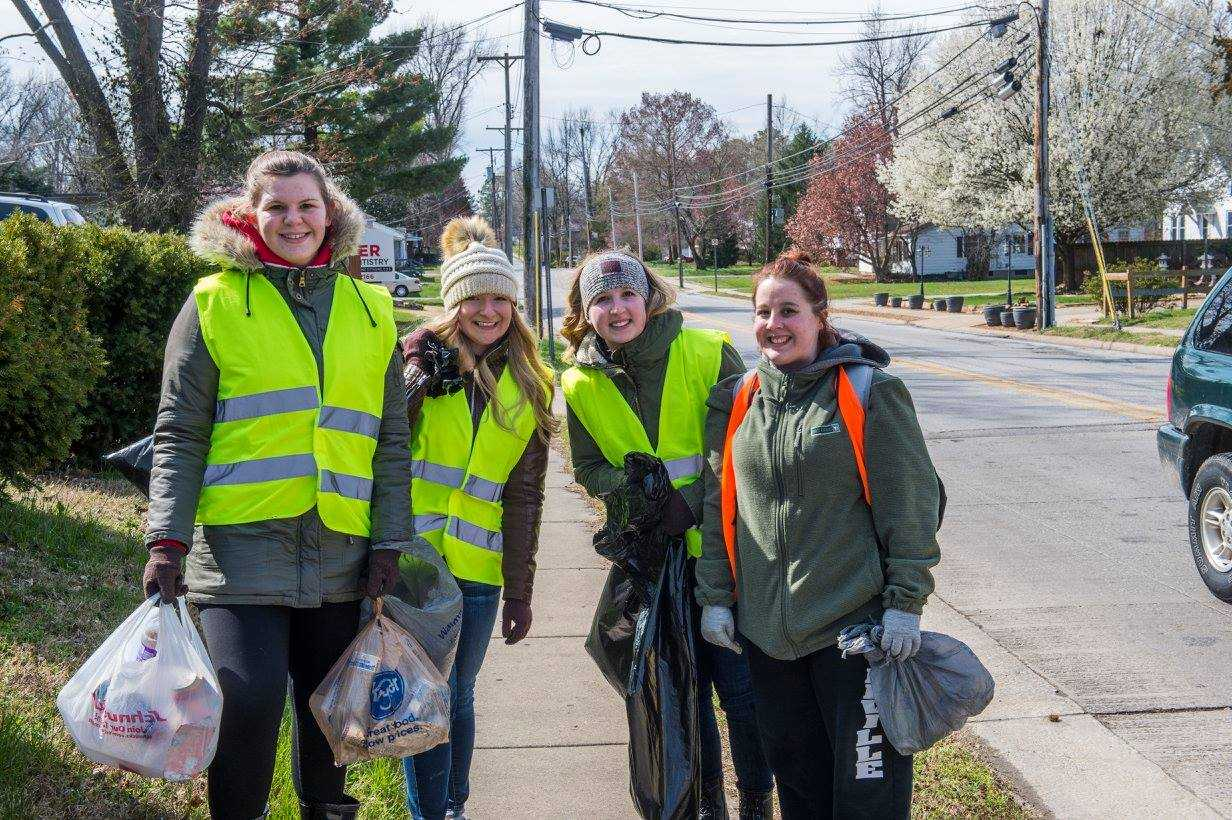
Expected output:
(552, 738)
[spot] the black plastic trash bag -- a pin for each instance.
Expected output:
(135, 461)
(642, 641)
(929, 695)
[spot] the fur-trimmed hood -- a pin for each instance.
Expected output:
(213, 240)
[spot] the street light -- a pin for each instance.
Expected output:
(1162, 261)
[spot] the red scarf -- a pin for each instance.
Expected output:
(245, 226)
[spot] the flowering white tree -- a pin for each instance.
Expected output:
(1131, 109)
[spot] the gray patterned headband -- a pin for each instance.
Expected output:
(612, 269)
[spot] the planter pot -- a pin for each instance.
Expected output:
(992, 315)
(1024, 317)
(939, 304)
(896, 301)
(954, 303)
(881, 299)
(1007, 317)
(915, 301)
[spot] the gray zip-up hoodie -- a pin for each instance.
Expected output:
(811, 555)
(296, 561)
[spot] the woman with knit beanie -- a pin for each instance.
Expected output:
(479, 401)
(639, 384)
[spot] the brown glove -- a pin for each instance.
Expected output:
(382, 572)
(515, 621)
(677, 517)
(164, 571)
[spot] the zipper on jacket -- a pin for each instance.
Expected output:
(780, 528)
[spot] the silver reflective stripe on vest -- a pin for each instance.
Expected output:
(348, 486)
(349, 421)
(269, 403)
(260, 469)
(686, 467)
(427, 522)
(483, 489)
(437, 473)
(475, 536)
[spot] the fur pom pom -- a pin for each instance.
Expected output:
(461, 232)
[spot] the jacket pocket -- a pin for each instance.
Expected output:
(236, 559)
(344, 560)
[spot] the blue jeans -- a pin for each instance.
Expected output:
(439, 779)
(727, 673)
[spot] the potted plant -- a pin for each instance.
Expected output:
(915, 301)
(1024, 317)
(954, 303)
(1007, 317)
(992, 315)
(881, 299)
(939, 304)
(896, 301)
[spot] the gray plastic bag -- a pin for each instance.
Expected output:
(927, 696)
(426, 603)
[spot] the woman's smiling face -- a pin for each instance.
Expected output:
(292, 216)
(618, 316)
(784, 323)
(485, 318)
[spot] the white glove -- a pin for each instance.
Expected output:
(900, 637)
(719, 627)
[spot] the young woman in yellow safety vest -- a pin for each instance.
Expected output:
(282, 432)
(822, 508)
(640, 384)
(479, 400)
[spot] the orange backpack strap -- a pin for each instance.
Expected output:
(852, 386)
(741, 399)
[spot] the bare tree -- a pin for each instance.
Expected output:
(449, 58)
(875, 73)
(43, 144)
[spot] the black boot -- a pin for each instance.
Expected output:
(329, 811)
(713, 803)
(756, 805)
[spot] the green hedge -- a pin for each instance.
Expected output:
(138, 283)
(49, 359)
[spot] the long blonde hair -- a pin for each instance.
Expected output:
(530, 374)
(576, 326)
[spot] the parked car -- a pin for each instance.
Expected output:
(1196, 443)
(400, 284)
(48, 210)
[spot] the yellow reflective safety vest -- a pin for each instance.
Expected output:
(693, 363)
(281, 442)
(459, 473)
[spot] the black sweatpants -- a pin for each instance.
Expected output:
(822, 734)
(255, 649)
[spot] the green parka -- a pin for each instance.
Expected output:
(638, 370)
(812, 556)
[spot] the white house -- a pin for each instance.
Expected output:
(1187, 221)
(942, 252)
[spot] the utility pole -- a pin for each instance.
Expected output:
(568, 208)
(679, 241)
(769, 169)
(637, 214)
(1045, 268)
(492, 212)
(611, 212)
(530, 147)
(582, 155)
(507, 61)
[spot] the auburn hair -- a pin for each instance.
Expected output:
(797, 266)
(575, 325)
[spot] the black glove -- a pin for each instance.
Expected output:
(515, 620)
(382, 572)
(677, 517)
(440, 361)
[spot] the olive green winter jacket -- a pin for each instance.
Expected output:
(638, 370)
(812, 556)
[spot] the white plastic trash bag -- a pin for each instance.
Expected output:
(929, 695)
(147, 700)
(383, 697)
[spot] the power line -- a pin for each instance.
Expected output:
(647, 13)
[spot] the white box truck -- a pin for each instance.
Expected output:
(381, 250)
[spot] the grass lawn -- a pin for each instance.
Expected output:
(1108, 334)
(70, 561)
(1173, 318)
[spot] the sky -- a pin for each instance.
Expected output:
(734, 81)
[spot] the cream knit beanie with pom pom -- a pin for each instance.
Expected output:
(473, 265)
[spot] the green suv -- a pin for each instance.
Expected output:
(1197, 440)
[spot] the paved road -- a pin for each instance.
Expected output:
(1063, 543)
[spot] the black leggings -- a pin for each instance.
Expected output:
(255, 649)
